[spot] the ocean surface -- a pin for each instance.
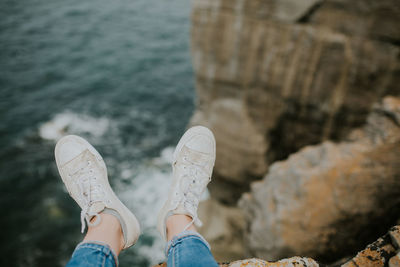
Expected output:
(117, 73)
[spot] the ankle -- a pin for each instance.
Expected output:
(178, 223)
(107, 231)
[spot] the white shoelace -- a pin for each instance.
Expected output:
(90, 192)
(194, 181)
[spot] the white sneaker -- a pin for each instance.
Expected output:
(192, 166)
(84, 173)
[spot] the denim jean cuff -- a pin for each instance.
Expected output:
(104, 247)
(184, 234)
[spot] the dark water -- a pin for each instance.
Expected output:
(115, 72)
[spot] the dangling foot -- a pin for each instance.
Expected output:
(84, 174)
(192, 166)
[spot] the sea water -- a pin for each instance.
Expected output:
(116, 72)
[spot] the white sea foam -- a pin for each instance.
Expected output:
(145, 197)
(68, 122)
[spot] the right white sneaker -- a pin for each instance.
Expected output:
(192, 166)
(84, 174)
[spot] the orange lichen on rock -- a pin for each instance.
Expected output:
(294, 261)
(291, 262)
(374, 255)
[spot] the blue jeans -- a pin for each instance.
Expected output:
(186, 249)
(93, 254)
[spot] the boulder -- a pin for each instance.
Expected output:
(327, 201)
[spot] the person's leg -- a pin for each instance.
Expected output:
(193, 162)
(108, 231)
(177, 223)
(111, 226)
(186, 247)
(101, 245)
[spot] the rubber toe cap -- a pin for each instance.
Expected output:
(68, 148)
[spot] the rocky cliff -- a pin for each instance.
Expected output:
(329, 200)
(276, 76)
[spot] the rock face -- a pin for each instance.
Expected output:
(274, 76)
(329, 200)
(223, 228)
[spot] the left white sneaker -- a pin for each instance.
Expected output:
(192, 166)
(84, 174)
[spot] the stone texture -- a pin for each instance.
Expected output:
(329, 200)
(395, 236)
(223, 228)
(377, 254)
(376, 20)
(395, 261)
(274, 76)
(280, 10)
(291, 262)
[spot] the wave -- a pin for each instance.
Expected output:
(67, 123)
(145, 197)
